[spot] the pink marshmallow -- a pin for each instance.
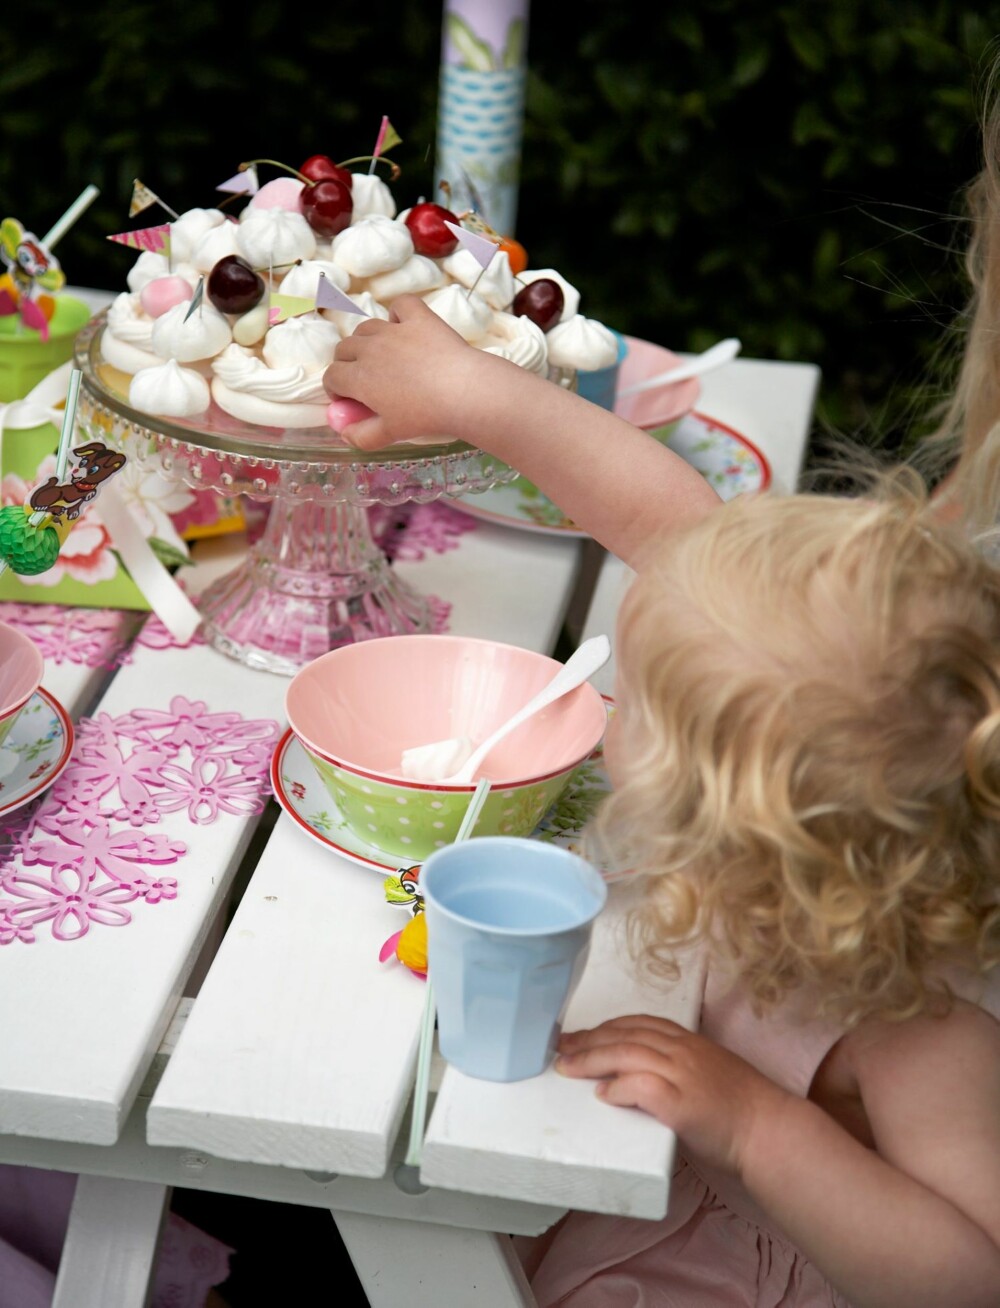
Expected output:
(282, 193)
(162, 293)
(342, 412)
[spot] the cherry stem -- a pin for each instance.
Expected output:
(394, 168)
(275, 163)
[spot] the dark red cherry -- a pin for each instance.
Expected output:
(321, 168)
(233, 286)
(426, 223)
(327, 206)
(542, 301)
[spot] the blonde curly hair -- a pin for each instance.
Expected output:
(809, 748)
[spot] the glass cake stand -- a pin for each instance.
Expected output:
(316, 578)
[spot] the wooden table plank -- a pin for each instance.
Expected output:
(549, 1138)
(301, 1046)
(81, 1019)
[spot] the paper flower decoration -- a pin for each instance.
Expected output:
(31, 271)
(408, 946)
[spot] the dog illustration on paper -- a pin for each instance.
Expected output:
(66, 500)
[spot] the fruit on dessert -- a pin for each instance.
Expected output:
(321, 168)
(234, 286)
(542, 301)
(426, 222)
(517, 255)
(326, 206)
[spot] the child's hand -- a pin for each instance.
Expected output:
(709, 1096)
(412, 370)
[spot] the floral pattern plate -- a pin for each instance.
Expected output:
(725, 458)
(35, 752)
(307, 801)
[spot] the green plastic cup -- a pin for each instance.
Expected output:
(25, 359)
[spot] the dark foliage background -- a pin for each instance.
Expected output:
(789, 174)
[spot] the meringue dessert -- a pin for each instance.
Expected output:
(229, 319)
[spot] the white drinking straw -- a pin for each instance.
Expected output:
(408, 1173)
(62, 225)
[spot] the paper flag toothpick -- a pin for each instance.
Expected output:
(196, 299)
(143, 197)
(241, 183)
(288, 306)
(481, 248)
(156, 239)
(329, 296)
(387, 139)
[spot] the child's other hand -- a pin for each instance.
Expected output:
(712, 1098)
(411, 370)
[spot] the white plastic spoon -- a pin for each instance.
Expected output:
(454, 761)
(714, 357)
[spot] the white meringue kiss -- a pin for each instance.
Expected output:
(271, 237)
(496, 285)
(187, 230)
(520, 340)
(307, 341)
(303, 278)
(415, 277)
(169, 390)
(582, 343)
(469, 315)
(374, 245)
(201, 336)
(370, 195)
(217, 243)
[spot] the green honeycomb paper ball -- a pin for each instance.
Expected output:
(29, 550)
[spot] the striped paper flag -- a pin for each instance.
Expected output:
(156, 239)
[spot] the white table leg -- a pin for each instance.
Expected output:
(424, 1265)
(110, 1248)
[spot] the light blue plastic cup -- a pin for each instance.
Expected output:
(600, 385)
(509, 922)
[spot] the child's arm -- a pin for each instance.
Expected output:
(418, 375)
(915, 1224)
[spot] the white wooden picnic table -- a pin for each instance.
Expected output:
(265, 1051)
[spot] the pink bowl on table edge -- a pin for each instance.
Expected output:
(21, 668)
(663, 404)
(357, 708)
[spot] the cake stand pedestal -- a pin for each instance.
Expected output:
(316, 579)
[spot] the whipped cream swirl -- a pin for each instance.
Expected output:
(203, 335)
(169, 390)
(371, 246)
(582, 343)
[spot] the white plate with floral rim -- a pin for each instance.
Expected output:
(35, 752)
(727, 460)
(307, 802)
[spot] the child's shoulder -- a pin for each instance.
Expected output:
(883, 1065)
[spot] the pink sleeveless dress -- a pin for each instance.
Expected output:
(715, 1247)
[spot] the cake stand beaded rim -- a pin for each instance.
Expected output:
(394, 475)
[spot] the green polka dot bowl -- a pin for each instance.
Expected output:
(357, 708)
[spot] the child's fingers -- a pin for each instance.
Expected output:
(618, 1058)
(616, 1027)
(642, 1090)
(370, 434)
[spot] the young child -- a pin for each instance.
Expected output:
(809, 689)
